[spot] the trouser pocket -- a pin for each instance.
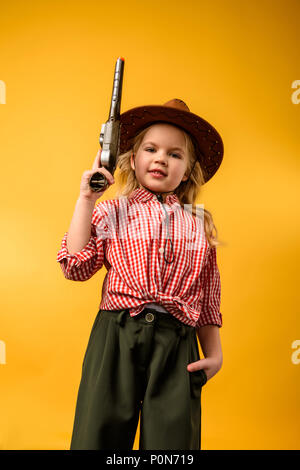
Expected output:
(198, 378)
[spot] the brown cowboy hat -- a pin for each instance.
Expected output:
(207, 141)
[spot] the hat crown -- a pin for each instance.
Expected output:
(178, 104)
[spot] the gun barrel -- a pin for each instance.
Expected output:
(110, 132)
(114, 113)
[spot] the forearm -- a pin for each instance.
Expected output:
(209, 338)
(79, 232)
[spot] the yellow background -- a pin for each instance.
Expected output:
(233, 63)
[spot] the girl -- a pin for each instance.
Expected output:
(161, 288)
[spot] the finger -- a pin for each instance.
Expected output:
(102, 170)
(106, 173)
(96, 163)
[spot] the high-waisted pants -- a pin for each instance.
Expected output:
(137, 367)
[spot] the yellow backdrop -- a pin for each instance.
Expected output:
(235, 63)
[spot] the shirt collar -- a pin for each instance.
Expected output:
(142, 195)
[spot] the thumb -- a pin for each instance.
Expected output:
(193, 366)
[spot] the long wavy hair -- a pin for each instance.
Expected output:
(186, 192)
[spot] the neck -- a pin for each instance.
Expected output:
(163, 194)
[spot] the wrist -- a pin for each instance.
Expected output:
(86, 200)
(218, 360)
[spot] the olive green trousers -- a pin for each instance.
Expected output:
(137, 366)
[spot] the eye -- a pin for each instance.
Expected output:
(151, 148)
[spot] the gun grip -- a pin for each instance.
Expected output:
(98, 182)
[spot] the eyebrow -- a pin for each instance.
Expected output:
(172, 148)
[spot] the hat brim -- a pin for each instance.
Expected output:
(207, 141)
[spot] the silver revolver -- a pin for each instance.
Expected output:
(110, 132)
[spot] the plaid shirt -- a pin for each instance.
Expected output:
(133, 237)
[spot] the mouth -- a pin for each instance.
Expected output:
(157, 172)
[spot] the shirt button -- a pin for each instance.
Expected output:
(149, 317)
(161, 250)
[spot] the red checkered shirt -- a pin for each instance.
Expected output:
(128, 237)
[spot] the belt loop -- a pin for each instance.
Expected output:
(121, 318)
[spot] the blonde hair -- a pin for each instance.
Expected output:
(186, 191)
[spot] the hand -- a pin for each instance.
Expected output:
(85, 189)
(210, 365)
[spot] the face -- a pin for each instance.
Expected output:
(162, 148)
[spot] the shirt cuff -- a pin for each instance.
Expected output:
(76, 259)
(210, 318)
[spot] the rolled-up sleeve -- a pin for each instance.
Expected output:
(210, 280)
(83, 264)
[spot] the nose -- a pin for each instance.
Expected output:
(161, 157)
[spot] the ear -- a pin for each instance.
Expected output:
(185, 178)
(132, 161)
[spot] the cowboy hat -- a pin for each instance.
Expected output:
(207, 141)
